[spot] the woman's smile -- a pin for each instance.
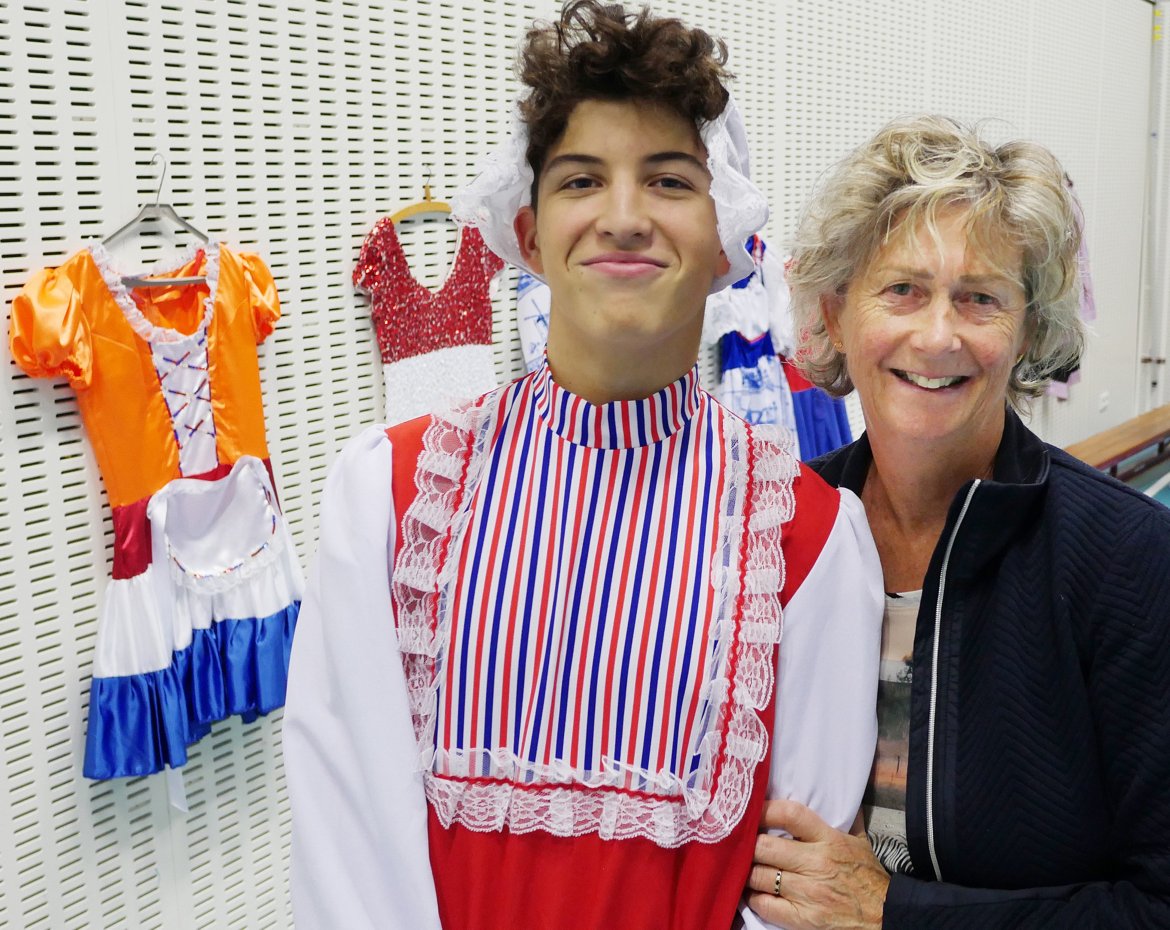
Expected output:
(939, 383)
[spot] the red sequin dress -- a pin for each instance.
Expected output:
(436, 346)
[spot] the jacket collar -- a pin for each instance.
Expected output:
(1003, 507)
(1022, 457)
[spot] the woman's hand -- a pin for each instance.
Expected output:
(829, 880)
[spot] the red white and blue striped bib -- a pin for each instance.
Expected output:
(587, 604)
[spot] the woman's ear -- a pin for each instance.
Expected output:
(831, 305)
(1030, 335)
(525, 228)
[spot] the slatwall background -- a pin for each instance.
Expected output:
(290, 127)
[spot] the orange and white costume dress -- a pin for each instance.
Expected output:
(197, 620)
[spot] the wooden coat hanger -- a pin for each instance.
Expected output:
(427, 205)
(154, 212)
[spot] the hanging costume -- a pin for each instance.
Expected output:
(822, 423)
(753, 383)
(533, 300)
(198, 618)
(436, 346)
(752, 323)
(756, 303)
(747, 320)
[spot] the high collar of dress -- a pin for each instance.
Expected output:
(621, 424)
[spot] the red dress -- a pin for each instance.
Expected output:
(435, 345)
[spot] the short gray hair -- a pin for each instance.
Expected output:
(1015, 193)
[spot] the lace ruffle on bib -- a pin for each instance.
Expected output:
(490, 784)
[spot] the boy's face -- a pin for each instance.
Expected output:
(625, 232)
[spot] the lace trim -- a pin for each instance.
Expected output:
(160, 335)
(523, 797)
(496, 194)
(740, 207)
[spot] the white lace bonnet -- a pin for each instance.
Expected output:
(504, 185)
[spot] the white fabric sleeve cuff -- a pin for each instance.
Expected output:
(826, 680)
(827, 673)
(359, 815)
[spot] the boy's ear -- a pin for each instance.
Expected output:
(722, 264)
(525, 227)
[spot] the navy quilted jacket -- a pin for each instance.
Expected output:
(1039, 771)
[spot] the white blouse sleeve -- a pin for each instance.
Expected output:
(359, 817)
(826, 679)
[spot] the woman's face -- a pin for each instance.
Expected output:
(930, 331)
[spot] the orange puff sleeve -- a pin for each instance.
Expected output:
(49, 335)
(262, 295)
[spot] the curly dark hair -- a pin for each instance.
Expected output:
(598, 51)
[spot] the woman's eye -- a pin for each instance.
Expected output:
(981, 300)
(901, 289)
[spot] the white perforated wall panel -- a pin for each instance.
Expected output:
(290, 127)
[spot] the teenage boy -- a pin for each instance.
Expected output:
(538, 679)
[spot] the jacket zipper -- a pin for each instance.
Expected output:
(942, 583)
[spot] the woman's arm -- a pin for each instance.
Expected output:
(829, 880)
(359, 818)
(1127, 678)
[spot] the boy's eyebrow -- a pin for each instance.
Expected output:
(659, 157)
(590, 161)
(593, 161)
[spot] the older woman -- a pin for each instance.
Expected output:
(1023, 769)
